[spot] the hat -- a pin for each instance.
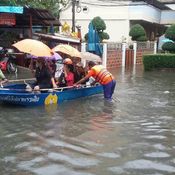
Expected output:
(67, 61)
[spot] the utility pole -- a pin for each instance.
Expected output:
(73, 15)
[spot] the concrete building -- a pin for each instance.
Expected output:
(120, 15)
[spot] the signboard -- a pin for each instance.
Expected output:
(11, 9)
(7, 19)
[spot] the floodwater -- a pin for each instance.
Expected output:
(133, 135)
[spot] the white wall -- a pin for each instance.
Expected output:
(168, 17)
(145, 12)
(172, 6)
(116, 20)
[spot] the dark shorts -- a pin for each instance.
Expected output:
(109, 89)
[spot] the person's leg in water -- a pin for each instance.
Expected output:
(109, 89)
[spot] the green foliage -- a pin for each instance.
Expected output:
(169, 46)
(142, 38)
(103, 35)
(158, 61)
(137, 32)
(170, 32)
(52, 5)
(99, 24)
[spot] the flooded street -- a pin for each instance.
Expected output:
(133, 135)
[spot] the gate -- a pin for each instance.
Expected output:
(129, 57)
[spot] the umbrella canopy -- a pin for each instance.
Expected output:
(33, 47)
(55, 57)
(67, 49)
(90, 57)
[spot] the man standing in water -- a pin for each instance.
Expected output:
(101, 75)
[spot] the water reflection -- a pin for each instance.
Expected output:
(131, 135)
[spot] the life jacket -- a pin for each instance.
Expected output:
(102, 75)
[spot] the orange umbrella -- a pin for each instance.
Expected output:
(33, 47)
(67, 49)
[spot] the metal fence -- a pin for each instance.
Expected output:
(114, 46)
(149, 45)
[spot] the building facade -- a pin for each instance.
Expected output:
(119, 16)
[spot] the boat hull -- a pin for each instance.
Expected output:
(23, 98)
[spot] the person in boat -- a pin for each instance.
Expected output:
(68, 71)
(3, 79)
(44, 78)
(79, 72)
(51, 64)
(67, 76)
(101, 75)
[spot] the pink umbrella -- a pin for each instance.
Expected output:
(55, 57)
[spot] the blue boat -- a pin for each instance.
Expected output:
(16, 94)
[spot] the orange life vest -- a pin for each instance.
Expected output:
(102, 75)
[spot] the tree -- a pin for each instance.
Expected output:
(100, 26)
(137, 33)
(53, 5)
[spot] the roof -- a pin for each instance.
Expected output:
(39, 17)
(155, 3)
(58, 37)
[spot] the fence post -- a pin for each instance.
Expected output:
(135, 51)
(83, 49)
(155, 47)
(104, 57)
(123, 54)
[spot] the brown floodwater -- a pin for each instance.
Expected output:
(132, 135)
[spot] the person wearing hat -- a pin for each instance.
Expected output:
(101, 75)
(67, 76)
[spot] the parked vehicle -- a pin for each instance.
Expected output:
(7, 61)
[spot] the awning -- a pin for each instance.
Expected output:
(23, 15)
(58, 38)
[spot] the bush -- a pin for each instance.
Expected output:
(158, 61)
(169, 46)
(131, 46)
(137, 32)
(142, 38)
(170, 32)
(99, 24)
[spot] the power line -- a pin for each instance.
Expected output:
(112, 5)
